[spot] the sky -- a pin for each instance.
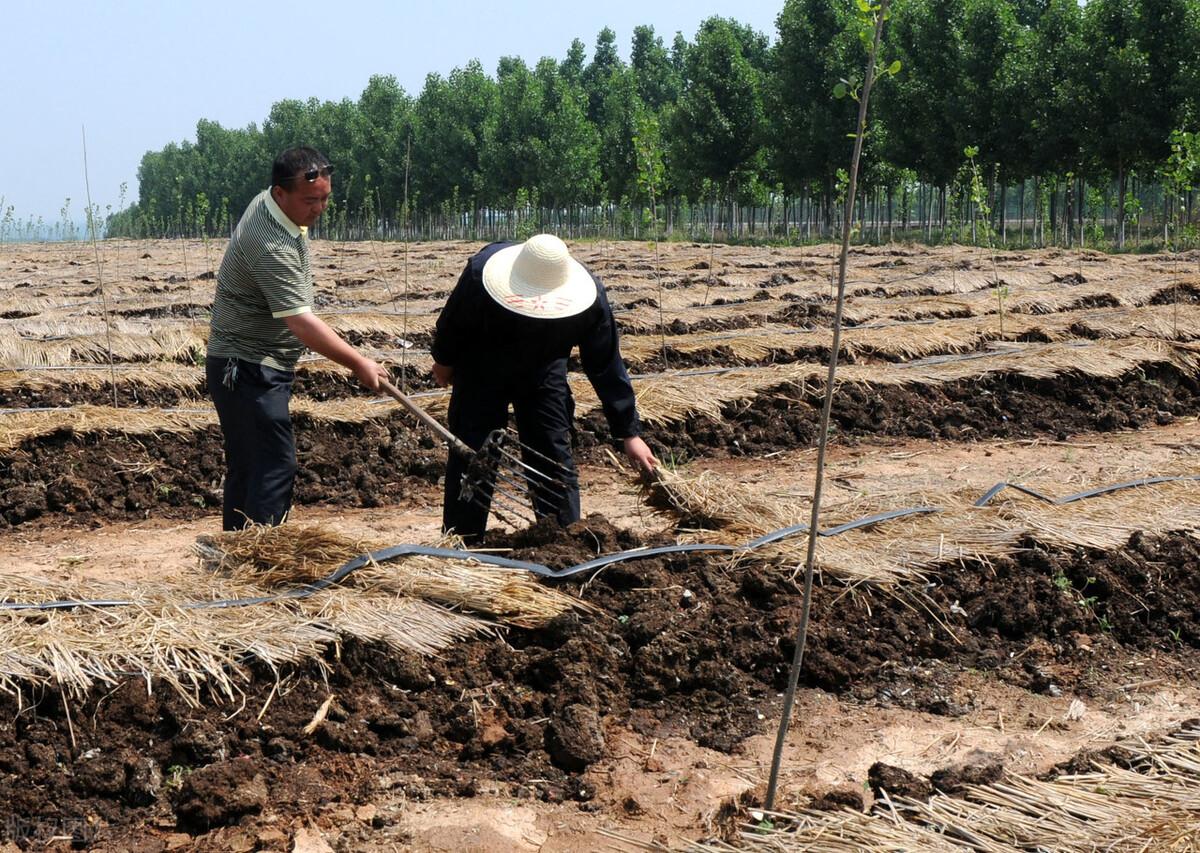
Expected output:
(135, 75)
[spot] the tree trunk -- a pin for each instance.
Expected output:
(1021, 203)
(1003, 212)
(891, 225)
(942, 210)
(1053, 216)
(1069, 217)
(1079, 199)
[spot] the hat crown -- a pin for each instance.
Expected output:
(539, 278)
(543, 263)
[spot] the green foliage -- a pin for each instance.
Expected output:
(1040, 87)
(648, 142)
(718, 123)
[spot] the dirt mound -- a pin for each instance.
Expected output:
(315, 386)
(988, 407)
(366, 464)
(679, 644)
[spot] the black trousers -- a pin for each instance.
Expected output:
(545, 418)
(260, 450)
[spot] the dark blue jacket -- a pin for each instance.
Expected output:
(475, 333)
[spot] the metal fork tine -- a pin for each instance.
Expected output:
(523, 466)
(524, 513)
(516, 503)
(519, 491)
(498, 442)
(518, 499)
(493, 489)
(499, 513)
(525, 448)
(496, 504)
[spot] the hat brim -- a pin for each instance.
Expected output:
(574, 296)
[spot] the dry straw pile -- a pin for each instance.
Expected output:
(1155, 806)
(906, 549)
(416, 605)
(671, 397)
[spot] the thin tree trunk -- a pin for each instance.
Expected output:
(1003, 212)
(942, 210)
(1053, 216)
(1079, 208)
(891, 224)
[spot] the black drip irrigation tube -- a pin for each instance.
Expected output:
(598, 563)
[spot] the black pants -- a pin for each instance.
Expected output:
(260, 451)
(545, 414)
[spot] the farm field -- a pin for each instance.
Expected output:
(440, 704)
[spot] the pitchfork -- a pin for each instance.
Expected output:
(497, 474)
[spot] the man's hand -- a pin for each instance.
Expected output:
(640, 455)
(315, 334)
(369, 373)
(443, 375)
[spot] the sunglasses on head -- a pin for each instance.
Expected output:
(312, 174)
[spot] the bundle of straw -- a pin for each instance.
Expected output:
(1156, 807)
(289, 555)
(907, 548)
(409, 605)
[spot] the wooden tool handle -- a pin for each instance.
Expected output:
(425, 418)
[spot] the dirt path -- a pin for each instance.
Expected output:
(669, 790)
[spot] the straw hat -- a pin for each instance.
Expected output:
(539, 278)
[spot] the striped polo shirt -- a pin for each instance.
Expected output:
(264, 278)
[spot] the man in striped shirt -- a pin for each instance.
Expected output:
(262, 322)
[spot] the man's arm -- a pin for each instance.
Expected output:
(315, 334)
(452, 329)
(600, 353)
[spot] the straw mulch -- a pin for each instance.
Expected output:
(410, 605)
(1107, 521)
(728, 512)
(955, 293)
(646, 318)
(188, 648)
(87, 342)
(418, 321)
(1043, 299)
(18, 426)
(183, 378)
(289, 555)
(1153, 807)
(670, 397)
(885, 554)
(919, 339)
(904, 550)
(170, 344)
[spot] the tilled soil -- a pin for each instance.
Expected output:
(71, 392)
(678, 644)
(367, 464)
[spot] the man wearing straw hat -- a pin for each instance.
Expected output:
(504, 337)
(262, 322)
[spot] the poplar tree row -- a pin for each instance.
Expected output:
(1075, 111)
